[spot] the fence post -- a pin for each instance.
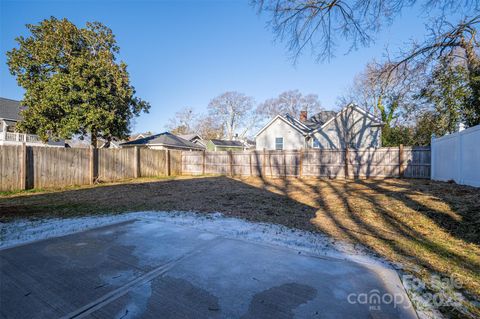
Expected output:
(270, 163)
(181, 163)
(204, 162)
(230, 154)
(300, 169)
(458, 141)
(167, 160)
(400, 160)
(347, 157)
(136, 173)
(24, 168)
(432, 158)
(264, 164)
(284, 164)
(93, 165)
(250, 162)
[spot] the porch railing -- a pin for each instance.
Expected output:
(19, 137)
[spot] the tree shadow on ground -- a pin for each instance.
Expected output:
(208, 194)
(428, 227)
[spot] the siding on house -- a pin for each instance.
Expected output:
(350, 128)
(292, 138)
(222, 145)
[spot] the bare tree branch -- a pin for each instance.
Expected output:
(322, 24)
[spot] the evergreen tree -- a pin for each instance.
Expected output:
(73, 83)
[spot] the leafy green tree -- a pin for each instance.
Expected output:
(396, 135)
(425, 127)
(447, 91)
(73, 82)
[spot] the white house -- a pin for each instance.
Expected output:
(351, 127)
(9, 116)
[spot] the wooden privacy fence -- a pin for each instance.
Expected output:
(23, 167)
(411, 162)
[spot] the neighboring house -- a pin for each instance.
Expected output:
(225, 145)
(9, 116)
(351, 127)
(163, 141)
(137, 136)
(194, 138)
(249, 144)
(114, 143)
(77, 143)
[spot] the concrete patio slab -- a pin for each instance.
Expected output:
(151, 269)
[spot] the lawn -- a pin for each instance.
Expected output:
(427, 227)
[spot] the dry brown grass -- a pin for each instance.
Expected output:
(429, 227)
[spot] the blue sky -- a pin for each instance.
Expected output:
(184, 53)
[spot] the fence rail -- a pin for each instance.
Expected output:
(23, 167)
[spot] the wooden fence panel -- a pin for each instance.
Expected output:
(116, 164)
(380, 162)
(175, 162)
(192, 162)
(10, 168)
(256, 162)
(241, 163)
(217, 163)
(324, 163)
(417, 162)
(57, 167)
(152, 162)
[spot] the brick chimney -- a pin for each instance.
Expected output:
(303, 116)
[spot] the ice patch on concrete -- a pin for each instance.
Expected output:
(25, 231)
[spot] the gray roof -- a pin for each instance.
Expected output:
(313, 122)
(296, 123)
(10, 109)
(137, 135)
(319, 119)
(227, 143)
(164, 139)
(189, 137)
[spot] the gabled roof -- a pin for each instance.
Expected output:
(10, 109)
(296, 124)
(319, 119)
(137, 136)
(227, 143)
(190, 137)
(164, 139)
(356, 108)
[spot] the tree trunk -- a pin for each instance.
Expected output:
(93, 139)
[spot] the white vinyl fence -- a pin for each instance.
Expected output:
(457, 157)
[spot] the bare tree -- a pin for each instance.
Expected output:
(291, 102)
(183, 122)
(320, 25)
(447, 40)
(208, 128)
(385, 91)
(231, 110)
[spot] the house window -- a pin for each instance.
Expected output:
(279, 143)
(316, 143)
